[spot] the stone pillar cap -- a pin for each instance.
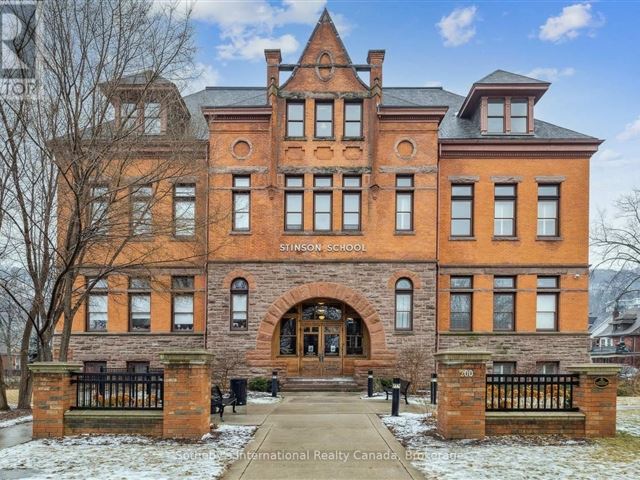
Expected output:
(54, 367)
(595, 368)
(189, 357)
(463, 356)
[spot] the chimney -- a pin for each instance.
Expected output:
(375, 59)
(274, 57)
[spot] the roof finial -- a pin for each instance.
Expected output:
(325, 17)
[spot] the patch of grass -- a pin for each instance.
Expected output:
(622, 448)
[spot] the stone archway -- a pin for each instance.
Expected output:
(261, 355)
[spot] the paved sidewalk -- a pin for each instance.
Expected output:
(321, 435)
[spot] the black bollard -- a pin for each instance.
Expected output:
(395, 399)
(434, 388)
(370, 384)
(274, 383)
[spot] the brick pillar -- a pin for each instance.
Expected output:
(187, 393)
(461, 393)
(53, 394)
(596, 397)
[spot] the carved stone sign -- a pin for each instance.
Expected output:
(601, 382)
(318, 247)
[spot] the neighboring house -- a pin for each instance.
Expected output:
(10, 362)
(618, 340)
(363, 221)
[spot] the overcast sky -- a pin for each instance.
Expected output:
(589, 51)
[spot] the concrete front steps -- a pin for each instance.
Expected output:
(320, 384)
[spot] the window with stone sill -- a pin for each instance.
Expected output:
(239, 304)
(97, 305)
(182, 303)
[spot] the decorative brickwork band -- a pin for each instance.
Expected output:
(461, 393)
(596, 397)
(53, 395)
(187, 393)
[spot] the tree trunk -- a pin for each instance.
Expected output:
(4, 404)
(65, 336)
(24, 390)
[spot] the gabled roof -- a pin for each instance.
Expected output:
(325, 18)
(504, 77)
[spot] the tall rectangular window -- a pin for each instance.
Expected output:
(548, 208)
(99, 209)
(294, 203)
(141, 221)
(184, 209)
(547, 303)
(139, 305)
(241, 203)
(504, 221)
(182, 287)
(404, 203)
(462, 210)
(504, 303)
(324, 119)
(152, 122)
(461, 303)
(519, 115)
(97, 305)
(353, 119)
(129, 116)
(295, 119)
(322, 200)
(495, 115)
(351, 203)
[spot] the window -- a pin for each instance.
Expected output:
(548, 202)
(184, 209)
(404, 304)
(97, 305)
(139, 305)
(294, 203)
(504, 222)
(141, 218)
(182, 303)
(519, 115)
(495, 115)
(404, 203)
(461, 303)
(322, 203)
(351, 203)
(504, 368)
(99, 205)
(295, 119)
(547, 304)
(152, 123)
(324, 119)
(354, 336)
(288, 336)
(95, 366)
(462, 210)
(353, 119)
(504, 303)
(129, 116)
(241, 203)
(547, 368)
(239, 304)
(138, 367)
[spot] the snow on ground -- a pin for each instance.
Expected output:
(15, 421)
(261, 398)
(515, 457)
(123, 456)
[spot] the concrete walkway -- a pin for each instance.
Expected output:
(15, 434)
(321, 435)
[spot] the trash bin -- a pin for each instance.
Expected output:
(239, 388)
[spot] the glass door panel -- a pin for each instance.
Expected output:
(310, 341)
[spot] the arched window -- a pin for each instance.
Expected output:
(239, 304)
(404, 304)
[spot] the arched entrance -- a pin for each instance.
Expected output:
(321, 337)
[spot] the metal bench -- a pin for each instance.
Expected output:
(219, 400)
(404, 389)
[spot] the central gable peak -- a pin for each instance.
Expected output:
(326, 40)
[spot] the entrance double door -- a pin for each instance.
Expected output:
(321, 349)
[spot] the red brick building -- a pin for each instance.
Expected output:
(364, 221)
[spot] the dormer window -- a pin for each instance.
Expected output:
(519, 115)
(129, 115)
(152, 124)
(152, 120)
(495, 115)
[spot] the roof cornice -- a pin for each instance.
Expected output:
(237, 114)
(412, 114)
(539, 148)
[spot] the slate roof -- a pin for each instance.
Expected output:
(627, 324)
(451, 128)
(504, 77)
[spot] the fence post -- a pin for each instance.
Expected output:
(187, 393)
(461, 393)
(274, 383)
(53, 394)
(596, 397)
(370, 384)
(434, 388)
(395, 398)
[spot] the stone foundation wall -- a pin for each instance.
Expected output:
(523, 348)
(120, 422)
(566, 424)
(269, 282)
(119, 348)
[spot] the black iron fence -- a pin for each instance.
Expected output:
(119, 390)
(521, 392)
